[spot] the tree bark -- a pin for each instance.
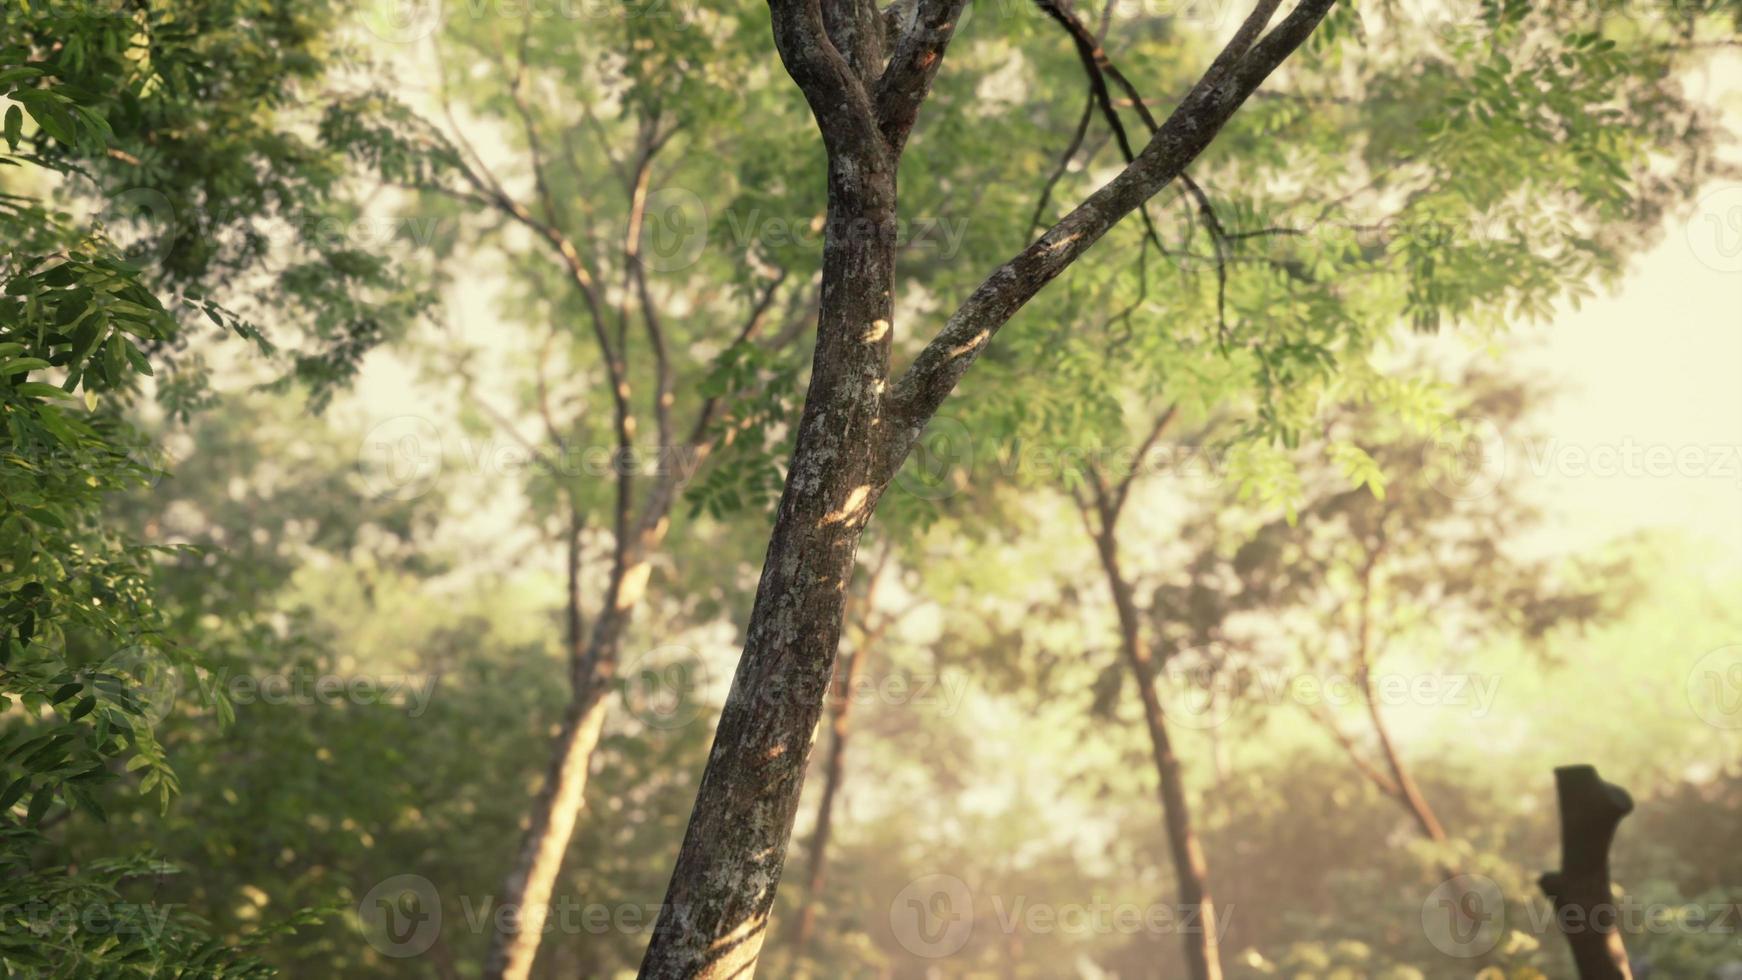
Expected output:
(857, 428)
(1191, 868)
(1584, 901)
(715, 915)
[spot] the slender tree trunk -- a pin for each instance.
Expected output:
(1353, 753)
(555, 810)
(1191, 869)
(716, 912)
(1406, 791)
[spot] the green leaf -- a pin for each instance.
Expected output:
(39, 805)
(136, 358)
(14, 792)
(17, 74)
(55, 122)
(43, 515)
(36, 389)
(81, 797)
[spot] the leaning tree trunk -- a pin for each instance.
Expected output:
(806, 922)
(1591, 810)
(716, 912)
(1407, 792)
(555, 810)
(1190, 867)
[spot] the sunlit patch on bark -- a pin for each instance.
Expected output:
(1063, 242)
(736, 951)
(634, 584)
(972, 344)
(854, 507)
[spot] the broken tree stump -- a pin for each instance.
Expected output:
(1584, 903)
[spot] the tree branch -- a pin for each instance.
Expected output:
(915, 397)
(1098, 68)
(534, 147)
(758, 315)
(838, 100)
(1373, 774)
(903, 87)
(1123, 488)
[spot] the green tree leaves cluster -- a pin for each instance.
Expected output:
(151, 158)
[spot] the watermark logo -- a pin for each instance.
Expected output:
(402, 21)
(1715, 231)
(942, 692)
(140, 222)
(48, 920)
(1465, 459)
(933, 916)
(1464, 916)
(674, 229)
(400, 458)
(663, 687)
(942, 456)
(1195, 697)
(156, 683)
(1200, 696)
(401, 916)
(303, 688)
(1715, 688)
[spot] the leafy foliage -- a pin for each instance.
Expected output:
(176, 111)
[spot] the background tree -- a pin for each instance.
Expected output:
(602, 207)
(1425, 558)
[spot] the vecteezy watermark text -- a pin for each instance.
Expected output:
(935, 916)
